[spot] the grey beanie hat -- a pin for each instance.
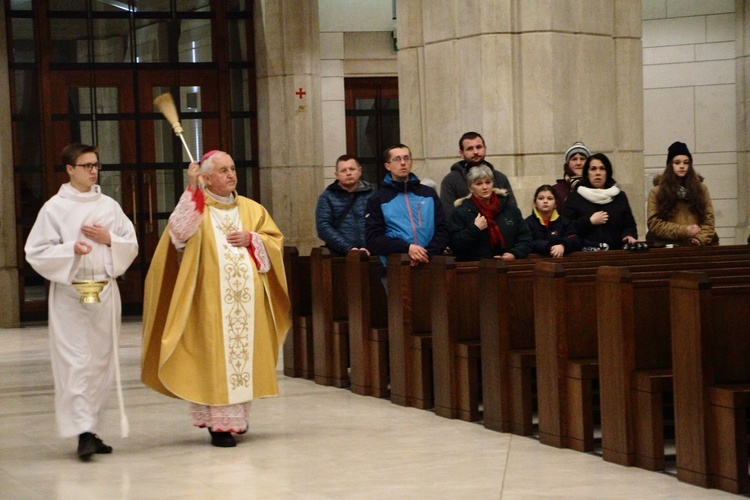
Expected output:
(577, 148)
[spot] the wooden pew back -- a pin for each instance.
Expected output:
(298, 347)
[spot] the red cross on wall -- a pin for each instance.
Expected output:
(300, 93)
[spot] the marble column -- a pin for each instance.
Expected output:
(532, 76)
(287, 50)
(9, 313)
(743, 120)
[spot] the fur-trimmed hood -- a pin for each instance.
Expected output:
(498, 191)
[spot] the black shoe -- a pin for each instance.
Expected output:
(101, 448)
(222, 439)
(86, 445)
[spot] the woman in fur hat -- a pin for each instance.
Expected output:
(484, 225)
(679, 206)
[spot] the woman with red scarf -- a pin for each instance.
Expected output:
(483, 224)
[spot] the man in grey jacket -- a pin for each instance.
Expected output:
(340, 214)
(472, 150)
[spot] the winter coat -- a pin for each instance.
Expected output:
(621, 222)
(468, 242)
(559, 231)
(674, 229)
(454, 186)
(340, 236)
(403, 213)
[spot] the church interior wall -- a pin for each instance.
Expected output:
(689, 89)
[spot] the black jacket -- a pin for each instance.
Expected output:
(621, 222)
(468, 242)
(560, 231)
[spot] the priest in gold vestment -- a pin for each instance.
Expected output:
(216, 307)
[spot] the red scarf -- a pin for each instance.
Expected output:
(490, 211)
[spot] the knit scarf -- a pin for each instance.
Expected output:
(572, 180)
(490, 211)
(599, 196)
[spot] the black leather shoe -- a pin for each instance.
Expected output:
(86, 445)
(222, 439)
(101, 448)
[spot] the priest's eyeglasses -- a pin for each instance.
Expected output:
(88, 167)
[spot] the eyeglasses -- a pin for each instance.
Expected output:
(88, 167)
(399, 159)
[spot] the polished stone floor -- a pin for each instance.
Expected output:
(312, 442)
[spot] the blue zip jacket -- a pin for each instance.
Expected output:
(350, 233)
(403, 213)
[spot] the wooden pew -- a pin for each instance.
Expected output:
(409, 332)
(298, 347)
(455, 338)
(507, 328)
(368, 326)
(635, 361)
(566, 339)
(711, 353)
(506, 323)
(330, 310)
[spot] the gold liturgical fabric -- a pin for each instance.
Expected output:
(212, 325)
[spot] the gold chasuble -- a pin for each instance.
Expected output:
(212, 324)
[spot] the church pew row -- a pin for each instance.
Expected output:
(635, 360)
(566, 341)
(298, 347)
(457, 348)
(508, 330)
(330, 311)
(710, 351)
(368, 326)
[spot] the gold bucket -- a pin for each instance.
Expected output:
(89, 290)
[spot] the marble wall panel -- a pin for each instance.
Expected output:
(410, 98)
(439, 20)
(682, 8)
(331, 45)
(669, 115)
(721, 180)
(497, 93)
(334, 136)
(715, 113)
(715, 51)
(669, 55)
(371, 45)
(371, 67)
(442, 117)
(628, 18)
(720, 28)
(654, 9)
(410, 24)
(596, 95)
(674, 31)
(331, 67)
(629, 77)
(689, 74)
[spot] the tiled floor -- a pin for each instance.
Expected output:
(312, 442)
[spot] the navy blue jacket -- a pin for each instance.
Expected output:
(350, 233)
(403, 213)
(560, 231)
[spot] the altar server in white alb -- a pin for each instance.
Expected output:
(81, 234)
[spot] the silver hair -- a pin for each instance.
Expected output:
(207, 165)
(478, 172)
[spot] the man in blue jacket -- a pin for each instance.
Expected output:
(340, 214)
(404, 216)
